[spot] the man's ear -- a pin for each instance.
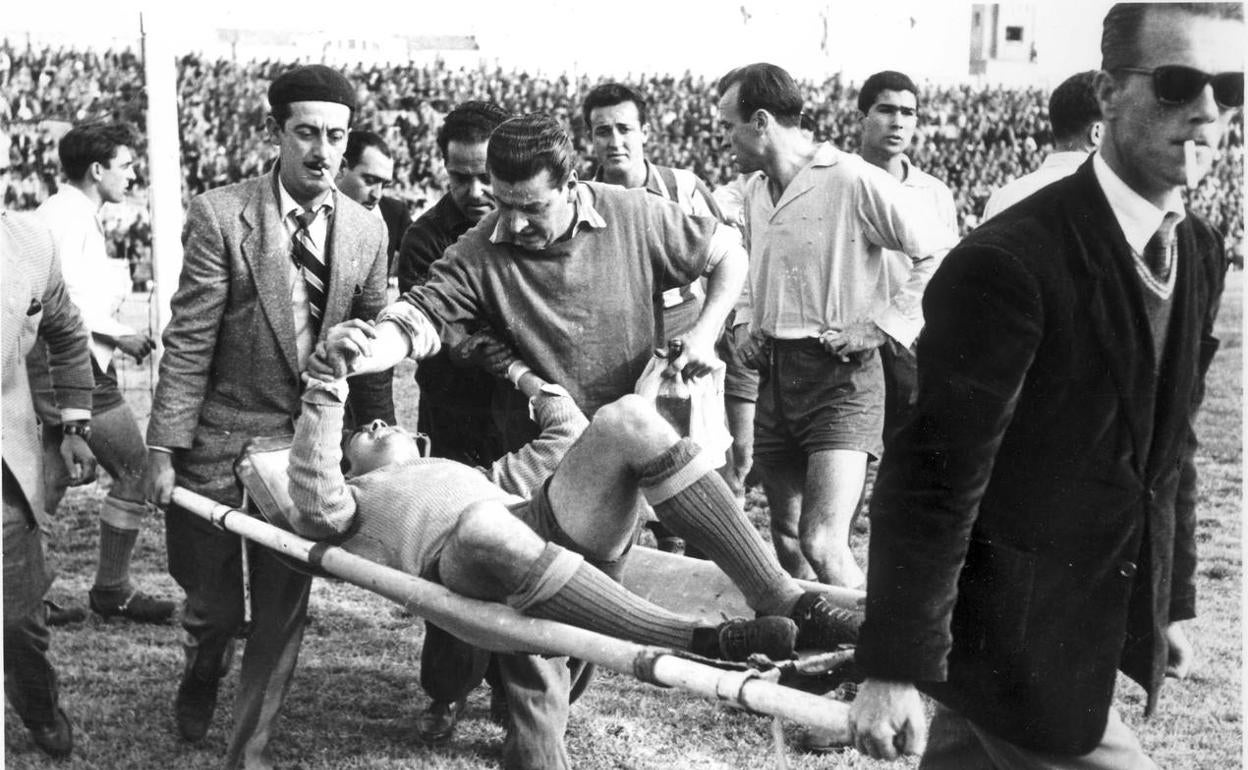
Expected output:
(95, 171)
(571, 184)
(1106, 87)
(273, 129)
(1096, 130)
(760, 120)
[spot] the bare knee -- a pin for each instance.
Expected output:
(485, 530)
(488, 552)
(632, 423)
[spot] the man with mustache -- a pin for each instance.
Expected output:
(269, 265)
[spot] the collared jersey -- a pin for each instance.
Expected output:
(581, 312)
(817, 254)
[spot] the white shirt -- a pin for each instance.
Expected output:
(931, 195)
(318, 230)
(96, 284)
(817, 255)
(1058, 165)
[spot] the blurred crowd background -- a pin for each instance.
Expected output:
(973, 137)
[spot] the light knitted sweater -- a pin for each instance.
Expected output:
(400, 515)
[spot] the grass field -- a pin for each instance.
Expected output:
(356, 696)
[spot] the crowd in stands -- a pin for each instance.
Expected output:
(973, 137)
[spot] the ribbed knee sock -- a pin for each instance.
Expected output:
(117, 542)
(693, 500)
(561, 586)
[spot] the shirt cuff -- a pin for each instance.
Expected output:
(905, 330)
(336, 390)
(74, 415)
(422, 337)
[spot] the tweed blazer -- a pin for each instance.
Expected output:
(36, 304)
(1033, 525)
(229, 369)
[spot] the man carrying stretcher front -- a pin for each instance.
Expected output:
(448, 522)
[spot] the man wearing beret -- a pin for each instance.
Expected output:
(269, 263)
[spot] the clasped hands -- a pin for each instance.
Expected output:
(852, 338)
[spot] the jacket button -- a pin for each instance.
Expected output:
(1127, 569)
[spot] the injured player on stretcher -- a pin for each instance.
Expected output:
(554, 554)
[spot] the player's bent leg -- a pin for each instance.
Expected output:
(692, 499)
(594, 492)
(834, 481)
(488, 558)
(119, 447)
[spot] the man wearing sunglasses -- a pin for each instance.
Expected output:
(1033, 525)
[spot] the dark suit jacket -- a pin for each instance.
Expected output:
(394, 214)
(229, 370)
(1032, 527)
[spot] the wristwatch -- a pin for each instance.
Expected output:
(77, 428)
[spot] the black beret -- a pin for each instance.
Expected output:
(312, 83)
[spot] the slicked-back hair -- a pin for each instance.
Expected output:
(521, 148)
(1120, 32)
(765, 87)
(95, 142)
(1073, 106)
(470, 123)
(888, 80)
(611, 94)
(358, 142)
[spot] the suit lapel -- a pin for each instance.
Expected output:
(1115, 306)
(266, 249)
(1179, 364)
(343, 248)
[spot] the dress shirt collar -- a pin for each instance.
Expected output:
(1066, 159)
(290, 207)
(1138, 218)
(80, 198)
(585, 216)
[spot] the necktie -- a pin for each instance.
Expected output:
(1159, 251)
(308, 257)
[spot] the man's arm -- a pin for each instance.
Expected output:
(892, 221)
(324, 503)
(727, 266)
(561, 423)
(190, 340)
(69, 363)
(372, 396)
(984, 324)
(1183, 583)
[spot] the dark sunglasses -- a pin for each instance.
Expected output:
(1175, 84)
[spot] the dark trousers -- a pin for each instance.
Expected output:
(901, 384)
(29, 679)
(207, 563)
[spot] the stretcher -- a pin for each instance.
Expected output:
(684, 585)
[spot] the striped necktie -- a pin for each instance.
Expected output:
(1159, 251)
(312, 264)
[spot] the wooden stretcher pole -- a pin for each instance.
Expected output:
(497, 627)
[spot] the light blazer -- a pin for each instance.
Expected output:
(229, 371)
(1032, 528)
(36, 304)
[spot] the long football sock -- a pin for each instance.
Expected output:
(694, 501)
